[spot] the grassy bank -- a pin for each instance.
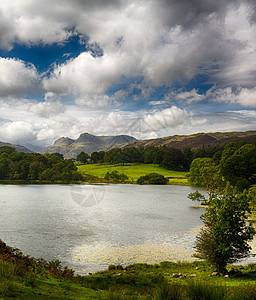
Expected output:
(22, 277)
(133, 171)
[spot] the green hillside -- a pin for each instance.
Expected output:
(133, 171)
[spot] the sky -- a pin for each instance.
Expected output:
(146, 68)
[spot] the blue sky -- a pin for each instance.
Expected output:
(143, 68)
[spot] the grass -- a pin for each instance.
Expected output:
(134, 171)
(22, 277)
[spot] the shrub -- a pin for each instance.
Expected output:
(152, 178)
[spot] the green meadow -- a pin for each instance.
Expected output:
(133, 171)
(23, 279)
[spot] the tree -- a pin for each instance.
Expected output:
(82, 157)
(115, 176)
(238, 165)
(226, 232)
(173, 159)
(205, 173)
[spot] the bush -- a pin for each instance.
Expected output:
(152, 178)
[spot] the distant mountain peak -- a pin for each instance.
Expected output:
(88, 143)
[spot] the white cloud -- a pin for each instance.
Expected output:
(17, 132)
(243, 96)
(163, 41)
(157, 41)
(16, 78)
(47, 108)
(86, 75)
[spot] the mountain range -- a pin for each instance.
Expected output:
(87, 143)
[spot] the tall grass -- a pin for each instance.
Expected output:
(245, 292)
(168, 291)
(199, 290)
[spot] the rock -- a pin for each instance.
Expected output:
(119, 274)
(226, 276)
(197, 268)
(215, 274)
(166, 274)
(119, 267)
(175, 275)
(192, 275)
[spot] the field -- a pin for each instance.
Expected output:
(134, 171)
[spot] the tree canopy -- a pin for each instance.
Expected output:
(226, 232)
(34, 166)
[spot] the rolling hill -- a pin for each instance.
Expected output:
(199, 140)
(17, 147)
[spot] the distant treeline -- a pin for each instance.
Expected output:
(36, 167)
(167, 157)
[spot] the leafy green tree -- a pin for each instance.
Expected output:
(112, 156)
(95, 157)
(173, 159)
(82, 157)
(205, 173)
(188, 154)
(197, 196)
(115, 176)
(226, 232)
(238, 165)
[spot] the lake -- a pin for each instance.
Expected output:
(89, 227)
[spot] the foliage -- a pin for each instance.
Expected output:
(173, 159)
(225, 235)
(238, 164)
(152, 178)
(196, 196)
(97, 157)
(235, 164)
(83, 157)
(205, 173)
(115, 176)
(36, 167)
(252, 193)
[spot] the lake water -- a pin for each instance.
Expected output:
(89, 227)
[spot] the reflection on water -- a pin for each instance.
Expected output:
(100, 255)
(127, 224)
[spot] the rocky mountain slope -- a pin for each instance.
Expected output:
(87, 143)
(17, 147)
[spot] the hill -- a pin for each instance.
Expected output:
(90, 143)
(17, 147)
(199, 140)
(87, 143)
